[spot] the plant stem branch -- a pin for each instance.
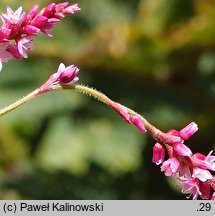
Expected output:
(19, 102)
(80, 88)
(103, 98)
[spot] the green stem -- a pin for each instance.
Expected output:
(93, 93)
(103, 98)
(20, 102)
(80, 88)
(88, 91)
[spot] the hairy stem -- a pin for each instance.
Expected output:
(84, 90)
(103, 98)
(19, 102)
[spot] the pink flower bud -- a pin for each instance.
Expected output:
(136, 120)
(130, 118)
(188, 131)
(39, 21)
(49, 10)
(168, 138)
(61, 6)
(64, 76)
(122, 111)
(181, 150)
(71, 9)
(158, 154)
(31, 30)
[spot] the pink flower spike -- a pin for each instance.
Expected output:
(182, 150)
(201, 174)
(136, 120)
(188, 131)
(170, 167)
(158, 154)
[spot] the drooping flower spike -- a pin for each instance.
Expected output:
(193, 170)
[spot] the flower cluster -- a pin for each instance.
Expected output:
(192, 170)
(18, 28)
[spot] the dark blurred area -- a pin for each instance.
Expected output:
(154, 56)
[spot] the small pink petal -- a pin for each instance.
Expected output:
(201, 174)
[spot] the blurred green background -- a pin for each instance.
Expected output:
(154, 56)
